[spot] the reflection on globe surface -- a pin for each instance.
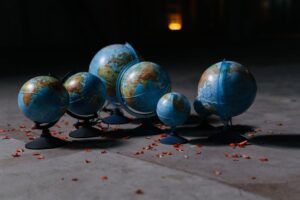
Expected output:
(226, 89)
(109, 62)
(173, 109)
(43, 99)
(87, 93)
(141, 86)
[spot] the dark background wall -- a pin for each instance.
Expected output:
(51, 30)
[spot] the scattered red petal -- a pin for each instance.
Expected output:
(243, 143)
(227, 155)
(253, 177)
(36, 154)
(2, 130)
(16, 155)
(245, 156)
(264, 159)
(19, 150)
(88, 150)
(217, 172)
(40, 157)
(233, 145)
(5, 137)
(88, 161)
(163, 135)
(57, 126)
(104, 178)
(74, 179)
(139, 192)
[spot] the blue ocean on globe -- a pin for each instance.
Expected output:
(43, 99)
(226, 89)
(109, 62)
(141, 86)
(173, 109)
(87, 93)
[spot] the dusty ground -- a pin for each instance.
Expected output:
(206, 168)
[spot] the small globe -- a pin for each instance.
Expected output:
(141, 86)
(226, 89)
(87, 93)
(43, 99)
(173, 109)
(109, 62)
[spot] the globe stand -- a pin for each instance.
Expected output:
(85, 127)
(46, 140)
(173, 138)
(227, 124)
(116, 117)
(147, 128)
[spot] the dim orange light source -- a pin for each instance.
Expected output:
(175, 26)
(175, 21)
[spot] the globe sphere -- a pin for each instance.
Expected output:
(173, 109)
(43, 99)
(87, 93)
(141, 86)
(200, 109)
(109, 62)
(226, 89)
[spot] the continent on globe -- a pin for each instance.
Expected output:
(87, 93)
(43, 99)
(109, 62)
(141, 86)
(226, 89)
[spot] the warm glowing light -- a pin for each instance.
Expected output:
(173, 26)
(175, 21)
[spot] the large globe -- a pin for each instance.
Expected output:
(109, 62)
(141, 86)
(226, 89)
(173, 109)
(43, 99)
(87, 93)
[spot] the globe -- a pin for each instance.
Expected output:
(140, 87)
(43, 99)
(87, 93)
(226, 89)
(173, 109)
(109, 62)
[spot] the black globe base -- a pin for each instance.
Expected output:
(85, 132)
(173, 139)
(116, 117)
(46, 141)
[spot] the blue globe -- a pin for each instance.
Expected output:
(43, 99)
(141, 86)
(173, 109)
(87, 93)
(109, 62)
(226, 89)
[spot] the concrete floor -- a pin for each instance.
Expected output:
(200, 170)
